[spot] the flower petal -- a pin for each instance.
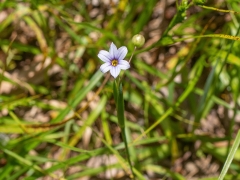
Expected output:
(123, 64)
(122, 52)
(105, 67)
(115, 71)
(104, 56)
(113, 51)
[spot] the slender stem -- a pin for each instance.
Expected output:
(123, 132)
(121, 123)
(132, 54)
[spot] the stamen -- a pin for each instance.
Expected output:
(114, 62)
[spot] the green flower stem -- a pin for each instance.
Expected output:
(132, 54)
(118, 96)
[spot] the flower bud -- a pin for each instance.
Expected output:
(138, 40)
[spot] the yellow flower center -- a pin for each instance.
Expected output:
(114, 62)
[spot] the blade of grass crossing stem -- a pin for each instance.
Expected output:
(230, 156)
(79, 96)
(121, 122)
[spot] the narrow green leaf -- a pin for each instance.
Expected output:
(120, 107)
(170, 110)
(22, 160)
(89, 121)
(105, 126)
(115, 92)
(79, 96)
(121, 121)
(230, 156)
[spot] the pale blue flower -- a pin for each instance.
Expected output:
(114, 60)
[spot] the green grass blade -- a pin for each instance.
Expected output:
(120, 107)
(121, 121)
(79, 96)
(22, 160)
(115, 92)
(230, 156)
(169, 111)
